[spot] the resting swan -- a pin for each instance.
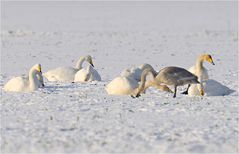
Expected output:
(21, 84)
(175, 76)
(125, 85)
(201, 73)
(67, 74)
(87, 74)
(136, 72)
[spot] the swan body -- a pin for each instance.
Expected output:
(122, 86)
(67, 74)
(23, 84)
(175, 76)
(87, 74)
(63, 74)
(135, 72)
(201, 72)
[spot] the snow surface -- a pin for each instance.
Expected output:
(81, 117)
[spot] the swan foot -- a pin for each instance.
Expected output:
(137, 96)
(202, 92)
(185, 92)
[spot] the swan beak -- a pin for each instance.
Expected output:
(210, 60)
(39, 69)
(92, 64)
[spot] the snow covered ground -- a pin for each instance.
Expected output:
(80, 117)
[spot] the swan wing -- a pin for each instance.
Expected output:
(61, 74)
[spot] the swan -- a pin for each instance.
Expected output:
(125, 85)
(23, 84)
(135, 72)
(175, 76)
(67, 74)
(201, 72)
(87, 74)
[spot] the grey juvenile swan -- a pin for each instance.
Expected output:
(175, 76)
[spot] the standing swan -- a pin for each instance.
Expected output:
(87, 74)
(126, 85)
(67, 74)
(175, 76)
(201, 73)
(21, 84)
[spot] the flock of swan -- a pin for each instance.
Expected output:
(133, 81)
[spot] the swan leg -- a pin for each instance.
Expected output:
(175, 91)
(186, 92)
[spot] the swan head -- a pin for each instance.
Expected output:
(37, 67)
(208, 58)
(88, 58)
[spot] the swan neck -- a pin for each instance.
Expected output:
(32, 80)
(199, 63)
(79, 63)
(143, 81)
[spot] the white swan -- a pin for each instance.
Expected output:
(135, 72)
(87, 74)
(125, 85)
(201, 73)
(67, 74)
(22, 84)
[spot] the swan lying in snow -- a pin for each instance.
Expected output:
(200, 72)
(175, 76)
(23, 84)
(87, 74)
(67, 74)
(211, 87)
(136, 72)
(126, 85)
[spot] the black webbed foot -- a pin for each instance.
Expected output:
(185, 92)
(137, 95)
